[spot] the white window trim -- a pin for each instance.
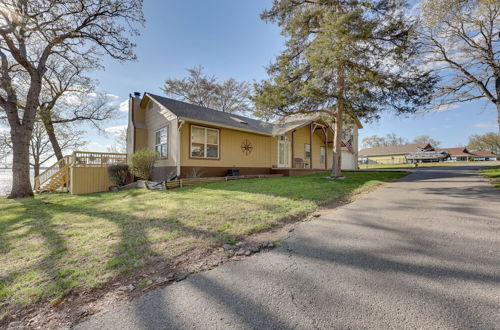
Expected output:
(206, 129)
(167, 143)
(322, 154)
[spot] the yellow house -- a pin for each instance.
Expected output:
(196, 141)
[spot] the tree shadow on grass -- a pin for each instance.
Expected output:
(132, 250)
(40, 225)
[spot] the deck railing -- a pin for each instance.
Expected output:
(97, 159)
(79, 159)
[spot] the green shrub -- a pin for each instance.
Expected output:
(141, 163)
(119, 174)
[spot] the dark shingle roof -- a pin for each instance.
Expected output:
(199, 113)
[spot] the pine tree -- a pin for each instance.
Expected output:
(357, 57)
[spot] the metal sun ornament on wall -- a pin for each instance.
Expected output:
(246, 147)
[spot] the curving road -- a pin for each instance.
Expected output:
(423, 252)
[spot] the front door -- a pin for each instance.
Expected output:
(284, 154)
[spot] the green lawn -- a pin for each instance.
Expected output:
(56, 243)
(492, 173)
(397, 166)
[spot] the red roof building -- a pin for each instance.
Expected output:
(462, 154)
(458, 154)
(484, 155)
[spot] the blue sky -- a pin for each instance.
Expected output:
(228, 38)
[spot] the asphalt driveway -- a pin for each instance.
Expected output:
(423, 252)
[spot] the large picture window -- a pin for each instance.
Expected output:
(161, 142)
(204, 142)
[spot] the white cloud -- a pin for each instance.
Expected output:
(116, 129)
(486, 124)
(444, 107)
(124, 106)
(72, 98)
(77, 98)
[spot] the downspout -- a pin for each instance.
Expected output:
(181, 123)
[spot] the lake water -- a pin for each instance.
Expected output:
(6, 180)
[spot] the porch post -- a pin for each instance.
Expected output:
(311, 147)
(293, 149)
(326, 147)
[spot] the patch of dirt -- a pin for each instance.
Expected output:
(76, 306)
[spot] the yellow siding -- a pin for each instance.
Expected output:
(86, 180)
(274, 152)
(141, 138)
(387, 159)
(264, 152)
(157, 118)
(139, 114)
(230, 152)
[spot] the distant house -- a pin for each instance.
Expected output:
(459, 154)
(462, 154)
(483, 155)
(391, 154)
(193, 139)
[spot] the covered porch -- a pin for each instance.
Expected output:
(306, 146)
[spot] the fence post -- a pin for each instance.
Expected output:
(180, 183)
(68, 179)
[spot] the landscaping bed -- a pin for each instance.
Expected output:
(56, 246)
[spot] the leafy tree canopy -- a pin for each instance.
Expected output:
(426, 139)
(383, 141)
(489, 142)
(372, 41)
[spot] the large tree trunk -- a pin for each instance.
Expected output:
(21, 186)
(46, 117)
(497, 101)
(498, 114)
(337, 142)
(36, 168)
